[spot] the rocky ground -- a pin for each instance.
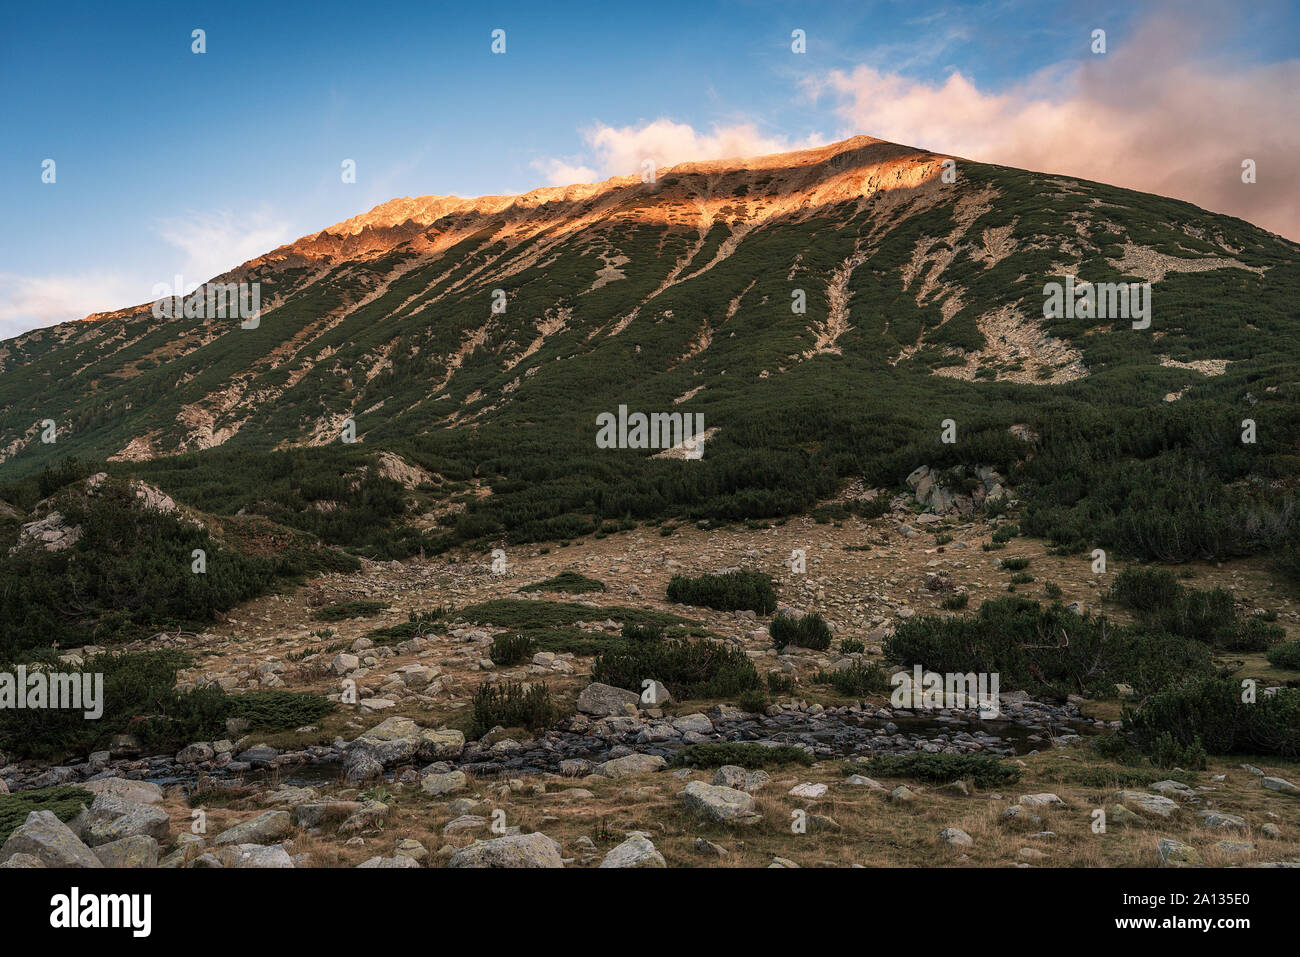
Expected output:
(392, 781)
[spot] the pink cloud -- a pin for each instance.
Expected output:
(1161, 113)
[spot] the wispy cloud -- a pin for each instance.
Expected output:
(205, 244)
(622, 151)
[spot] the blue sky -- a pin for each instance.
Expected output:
(172, 162)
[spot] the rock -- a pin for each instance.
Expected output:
(654, 695)
(110, 818)
(708, 847)
(396, 861)
(902, 795)
(858, 781)
(441, 744)
(195, 753)
(631, 764)
(1177, 854)
(604, 700)
(1121, 815)
(259, 755)
(466, 822)
(390, 742)
(138, 851)
(722, 804)
(409, 847)
(1281, 785)
(449, 783)
(1019, 814)
(697, 722)
(1031, 854)
(733, 776)
(249, 855)
(1221, 820)
(1271, 830)
(810, 791)
(48, 839)
(138, 792)
(315, 813)
(23, 860)
(515, 850)
(956, 837)
(1175, 789)
(344, 663)
(361, 766)
(636, 851)
(1152, 804)
(1046, 799)
(264, 829)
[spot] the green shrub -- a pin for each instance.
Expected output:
(733, 591)
(856, 681)
(512, 705)
(510, 649)
(278, 710)
(688, 668)
(1005, 533)
(955, 602)
(741, 754)
(851, 646)
(1208, 713)
(984, 770)
(1159, 602)
(778, 683)
(754, 701)
(809, 632)
(569, 581)
(1047, 650)
(1166, 752)
(1286, 655)
(418, 624)
(1015, 564)
(342, 610)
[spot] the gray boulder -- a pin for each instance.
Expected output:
(517, 850)
(46, 838)
(721, 804)
(604, 700)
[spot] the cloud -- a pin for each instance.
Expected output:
(621, 151)
(1162, 112)
(565, 173)
(30, 302)
(216, 242)
(208, 243)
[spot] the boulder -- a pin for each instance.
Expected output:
(516, 850)
(265, 828)
(140, 792)
(721, 804)
(110, 818)
(438, 784)
(138, 851)
(604, 700)
(636, 851)
(1151, 804)
(46, 838)
(631, 764)
(248, 855)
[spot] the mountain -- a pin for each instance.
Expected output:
(923, 302)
